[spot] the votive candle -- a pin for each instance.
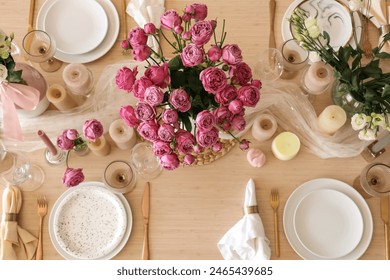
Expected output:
(47, 141)
(317, 77)
(100, 147)
(123, 136)
(78, 78)
(331, 119)
(264, 127)
(285, 145)
(58, 96)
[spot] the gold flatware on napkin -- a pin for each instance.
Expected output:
(275, 205)
(272, 7)
(145, 214)
(385, 219)
(42, 211)
(31, 16)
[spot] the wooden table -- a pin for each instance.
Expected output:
(192, 207)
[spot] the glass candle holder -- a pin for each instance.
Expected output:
(119, 176)
(374, 180)
(295, 58)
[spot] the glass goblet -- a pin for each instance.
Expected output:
(22, 173)
(145, 161)
(374, 180)
(119, 176)
(39, 46)
(294, 58)
(269, 65)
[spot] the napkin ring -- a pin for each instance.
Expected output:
(384, 29)
(11, 217)
(251, 209)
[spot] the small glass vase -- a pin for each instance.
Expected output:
(81, 150)
(343, 98)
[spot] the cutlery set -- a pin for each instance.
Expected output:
(42, 211)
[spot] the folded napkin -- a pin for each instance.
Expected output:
(380, 16)
(145, 11)
(15, 242)
(246, 240)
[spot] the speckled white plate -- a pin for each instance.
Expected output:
(90, 222)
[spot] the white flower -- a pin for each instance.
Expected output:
(3, 73)
(314, 57)
(367, 134)
(355, 5)
(312, 27)
(359, 121)
(378, 120)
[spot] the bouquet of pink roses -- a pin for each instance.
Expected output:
(184, 102)
(70, 139)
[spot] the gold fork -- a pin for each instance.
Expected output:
(274, 198)
(366, 44)
(42, 211)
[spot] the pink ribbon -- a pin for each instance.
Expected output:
(12, 94)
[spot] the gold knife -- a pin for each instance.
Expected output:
(385, 219)
(145, 214)
(272, 7)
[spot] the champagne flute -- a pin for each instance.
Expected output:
(40, 47)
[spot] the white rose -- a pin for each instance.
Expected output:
(3, 73)
(355, 5)
(367, 134)
(378, 119)
(314, 57)
(312, 27)
(358, 121)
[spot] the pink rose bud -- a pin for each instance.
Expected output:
(257, 83)
(170, 162)
(72, 177)
(72, 134)
(189, 159)
(186, 17)
(186, 35)
(150, 28)
(137, 37)
(217, 147)
(244, 145)
(214, 53)
(125, 44)
(64, 143)
(170, 19)
(125, 78)
(141, 53)
(178, 29)
(127, 114)
(92, 129)
(236, 106)
(199, 11)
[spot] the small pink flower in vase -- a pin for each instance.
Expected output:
(97, 143)
(186, 102)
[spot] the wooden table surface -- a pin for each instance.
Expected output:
(193, 207)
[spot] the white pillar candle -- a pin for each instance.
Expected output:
(264, 127)
(285, 146)
(100, 147)
(331, 119)
(256, 157)
(317, 77)
(58, 96)
(78, 78)
(123, 136)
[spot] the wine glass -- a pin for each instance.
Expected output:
(374, 180)
(40, 47)
(119, 176)
(269, 65)
(145, 161)
(294, 58)
(21, 172)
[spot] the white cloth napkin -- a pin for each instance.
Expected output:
(380, 16)
(246, 240)
(145, 11)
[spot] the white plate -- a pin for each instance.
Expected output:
(76, 26)
(99, 51)
(90, 222)
(332, 16)
(328, 223)
(332, 184)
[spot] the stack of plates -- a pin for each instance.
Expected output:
(90, 222)
(83, 30)
(327, 219)
(332, 16)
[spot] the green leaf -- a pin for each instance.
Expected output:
(175, 63)
(386, 91)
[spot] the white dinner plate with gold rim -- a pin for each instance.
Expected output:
(333, 16)
(318, 184)
(101, 49)
(328, 223)
(90, 222)
(76, 26)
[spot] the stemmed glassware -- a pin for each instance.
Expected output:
(39, 46)
(269, 65)
(374, 180)
(294, 58)
(119, 176)
(145, 161)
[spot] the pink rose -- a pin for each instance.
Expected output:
(161, 148)
(180, 99)
(144, 112)
(231, 54)
(202, 31)
(169, 116)
(217, 147)
(92, 129)
(236, 107)
(72, 134)
(72, 177)
(207, 138)
(223, 117)
(170, 19)
(198, 11)
(188, 159)
(169, 162)
(244, 145)
(186, 35)
(64, 143)
(125, 78)
(140, 86)
(213, 79)
(137, 37)
(150, 28)
(225, 96)
(238, 123)
(154, 95)
(192, 55)
(141, 53)
(205, 120)
(159, 75)
(148, 130)
(185, 141)
(186, 17)
(178, 29)
(214, 53)
(125, 44)
(256, 83)
(166, 132)
(241, 73)
(128, 115)
(249, 95)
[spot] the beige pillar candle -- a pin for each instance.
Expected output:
(317, 77)
(78, 78)
(100, 147)
(123, 136)
(58, 96)
(285, 146)
(264, 127)
(331, 119)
